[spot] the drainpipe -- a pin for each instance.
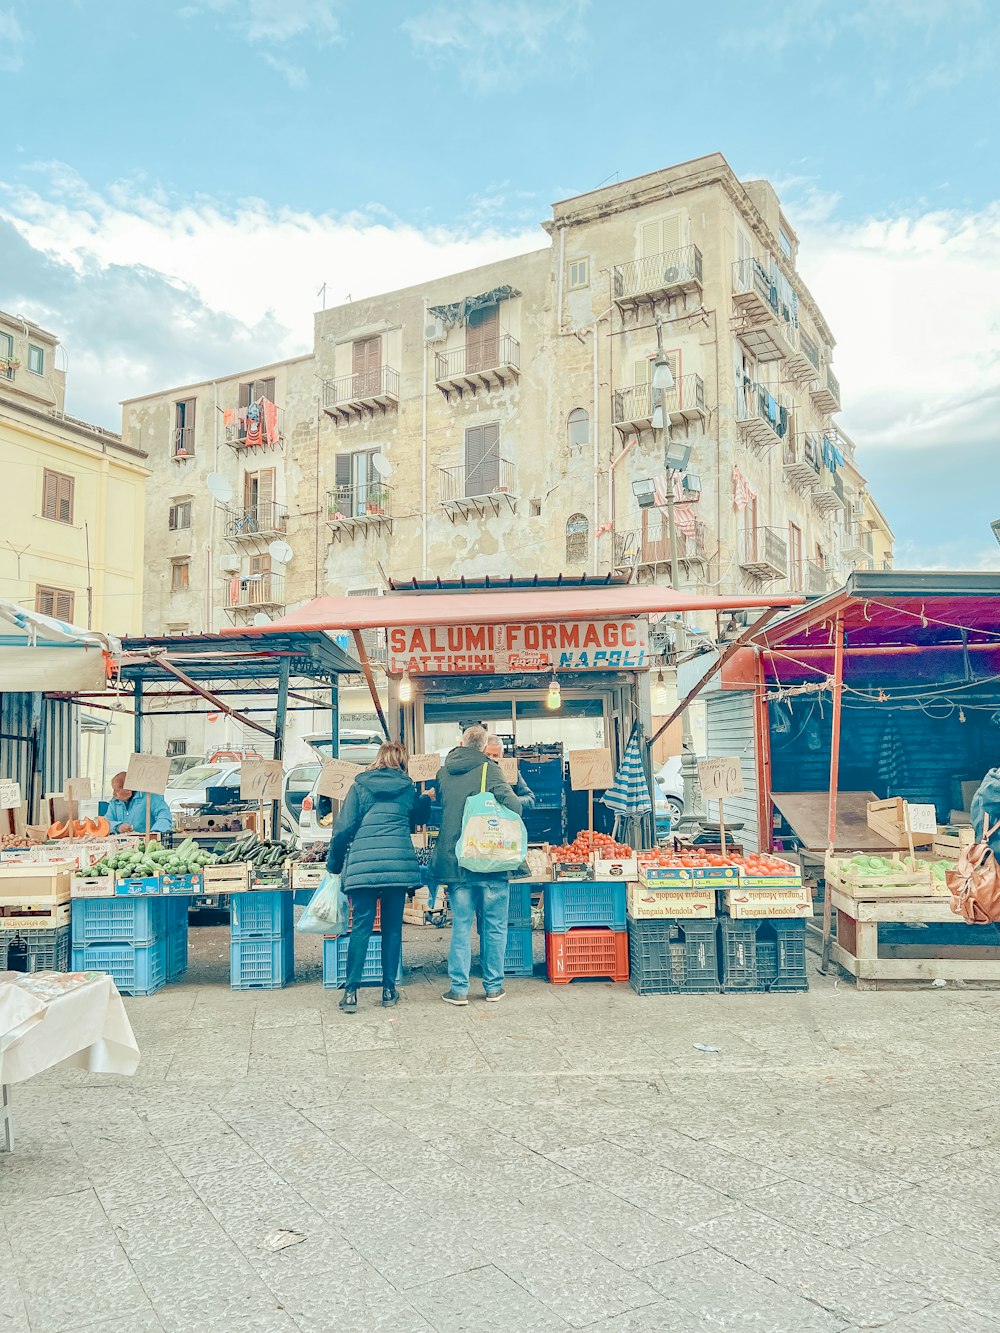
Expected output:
(423, 454)
(209, 584)
(596, 435)
(559, 278)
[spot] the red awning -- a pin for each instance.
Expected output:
(497, 608)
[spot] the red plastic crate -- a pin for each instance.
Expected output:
(587, 953)
(378, 915)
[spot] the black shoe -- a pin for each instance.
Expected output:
(349, 1003)
(390, 996)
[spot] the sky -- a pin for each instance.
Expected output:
(179, 178)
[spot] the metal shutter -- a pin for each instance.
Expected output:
(730, 731)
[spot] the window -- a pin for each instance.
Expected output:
(578, 428)
(579, 273)
(55, 602)
(176, 747)
(258, 499)
(660, 237)
(180, 575)
(534, 508)
(180, 516)
(254, 390)
(794, 557)
(6, 346)
(482, 459)
(57, 496)
(577, 540)
(356, 480)
(36, 359)
(184, 418)
(482, 338)
(366, 367)
(785, 243)
(374, 640)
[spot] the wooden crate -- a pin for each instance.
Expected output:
(226, 879)
(33, 912)
(856, 948)
(949, 841)
(888, 819)
(913, 880)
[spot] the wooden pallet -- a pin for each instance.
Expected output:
(856, 948)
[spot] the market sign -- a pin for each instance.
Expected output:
(536, 645)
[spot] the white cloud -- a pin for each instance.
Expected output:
(275, 20)
(294, 75)
(13, 40)
(496, 46)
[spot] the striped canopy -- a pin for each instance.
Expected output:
(628, 795)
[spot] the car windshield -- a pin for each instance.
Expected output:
(203, 776)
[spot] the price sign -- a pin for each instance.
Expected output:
(923, 819)
(10, 794)
(720, 778)
(424, 767)
(261, 780)
(79, 789)
(147, 773)
(508, 767)
(337, 778)
(590, 770)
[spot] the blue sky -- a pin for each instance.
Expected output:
(217, 160)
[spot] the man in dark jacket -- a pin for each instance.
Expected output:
(460, 777)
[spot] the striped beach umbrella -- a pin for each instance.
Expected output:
(628, 795)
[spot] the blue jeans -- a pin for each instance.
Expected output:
(488, 894)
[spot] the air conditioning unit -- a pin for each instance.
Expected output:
(230, 564)
(435, 332)
(857, 508)
(672, 274)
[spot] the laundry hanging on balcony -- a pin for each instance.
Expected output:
(229, 417)
(270, 413)
(684, 518)
(254, 425)
(459, 311)
(743, 492)
(832, 456)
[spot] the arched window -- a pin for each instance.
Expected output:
(578, 427)
(577, 540)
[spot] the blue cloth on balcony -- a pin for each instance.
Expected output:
(782, 422)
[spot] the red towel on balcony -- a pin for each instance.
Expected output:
(271, 434)
(743, 492)
(229, 417)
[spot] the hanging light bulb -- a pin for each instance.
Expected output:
(553, 700)
(660, 697)
(405, 688)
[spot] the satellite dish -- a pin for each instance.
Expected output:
(382, 466)
(280, 552)
(219, 487)
(261, 619)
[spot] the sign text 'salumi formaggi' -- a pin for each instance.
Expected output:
(577, 645)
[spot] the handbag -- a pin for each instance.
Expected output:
(974, 884)
(493, 839)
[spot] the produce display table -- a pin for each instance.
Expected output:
(48, 1019)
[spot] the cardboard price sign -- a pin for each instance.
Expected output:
(424, 767)
(590, 770)
(720, 778)
(10, 794)
(508, 767)
(79, 789)
(338, 777)
(923, 819)
(147, 773)
(261, 780)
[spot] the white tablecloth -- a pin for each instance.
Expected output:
(73, 1019)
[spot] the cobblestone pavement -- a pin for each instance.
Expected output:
(564, 1160)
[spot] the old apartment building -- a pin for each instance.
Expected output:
(504, 420)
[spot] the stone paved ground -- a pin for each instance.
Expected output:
(565, 1160)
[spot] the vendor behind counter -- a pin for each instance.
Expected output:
(126, 812)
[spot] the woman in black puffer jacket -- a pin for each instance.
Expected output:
(371, 848)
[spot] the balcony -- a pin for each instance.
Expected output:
(355, 397)
(354, 510)
(802, 459)
(855, 544)
(760, 419)
(488, 488)
(657, 277)
(649, 547)
(763, 553)
(766, 328)
(255, 592)
(825, 392)
(828, 497)
(266, 520)
(818, 579)
(8, 368)
(810, 350)
(182, 443)
(236, 433)
(632, 407)
(799, 364)
(494, 363)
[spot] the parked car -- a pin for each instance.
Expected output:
(180, 763)
(359, 747)
(669, 795)
(190, 788)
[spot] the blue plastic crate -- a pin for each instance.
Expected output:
(260, 915)
(763, 955)
(335, 962)
(138, 886)
(261, 964)
(673, 956)
(519, 903)
(584, 902)
(177, 953)
(135, 971)
(518, 960)
(47, 950)
(177, 913)
(136, 921)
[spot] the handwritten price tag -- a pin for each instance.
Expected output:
(923, 819)
(79, 789)
(720, 778)
(337, 778)
(424, 767)
(147, 773)
(261, 780)
(508, 767)
(10, 794)
(590, 770)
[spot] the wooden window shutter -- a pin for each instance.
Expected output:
(265, 491)
(260, 564)
(342, 466)
(670, 233)
(246, 390)
(64, 605)
(266, 389)
(482, 340)
(649, 238)
(249, 489)
(367, 365)
(643, 371)
(50, 494)
(67, 488)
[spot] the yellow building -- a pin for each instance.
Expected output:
(73, 499)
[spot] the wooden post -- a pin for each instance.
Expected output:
(838, 691)
(590, 809)
(722, 826)
(908, 830)
(260, 816)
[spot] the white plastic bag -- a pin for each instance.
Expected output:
(328, 912)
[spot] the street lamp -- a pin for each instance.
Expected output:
(645, 493)
(995, 525)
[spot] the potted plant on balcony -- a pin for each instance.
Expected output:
(375, 501)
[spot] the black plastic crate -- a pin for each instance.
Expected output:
(763, 955)
(670, 957)
(35, 950)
